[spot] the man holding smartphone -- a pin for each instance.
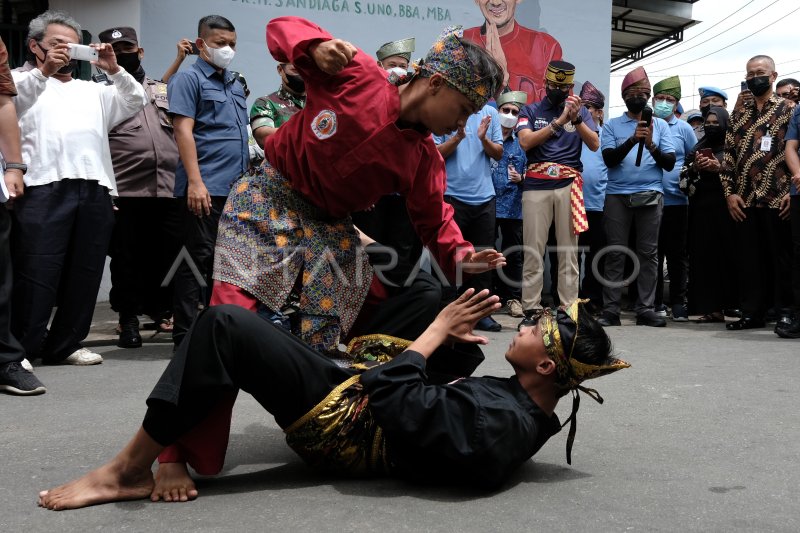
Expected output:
(63, 222)
(756, 185)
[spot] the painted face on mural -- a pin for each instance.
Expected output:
(501, 12)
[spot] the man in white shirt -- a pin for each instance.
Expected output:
(63, 223)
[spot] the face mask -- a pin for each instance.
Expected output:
(636, 104)
(663, 109)
(508, 120)
(556, 96)
(295, 83)
(129, 61)
(713, 132)
(759, 85)
(220, 57)
(66, 69)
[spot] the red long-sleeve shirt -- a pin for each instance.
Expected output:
(344, 151)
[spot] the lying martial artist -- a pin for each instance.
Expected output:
(386, 420)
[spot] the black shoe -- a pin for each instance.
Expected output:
(791, 331)
(744, 323)
(488, 324)
(16, 380)
(679, 313)
(531, 319)
(129, 336)
(651, 319)
(608, 319)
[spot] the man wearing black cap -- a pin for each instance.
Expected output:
(143, 245)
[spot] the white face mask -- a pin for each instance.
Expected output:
(508, 120)
(220, 57)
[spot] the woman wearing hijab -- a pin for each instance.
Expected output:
(712, 274)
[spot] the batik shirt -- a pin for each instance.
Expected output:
(507, 193)
(275, 109)
(753, 168)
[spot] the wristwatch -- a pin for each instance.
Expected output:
(19, 166)
(577, 120)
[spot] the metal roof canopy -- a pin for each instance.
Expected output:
(641, 28)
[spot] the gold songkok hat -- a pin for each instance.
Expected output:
(403, 48)
(560, 73)
(559, 334)
(518, 98)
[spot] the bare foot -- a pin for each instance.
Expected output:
(173, 484)
(110, 483)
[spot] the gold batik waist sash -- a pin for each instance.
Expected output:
(557, 171)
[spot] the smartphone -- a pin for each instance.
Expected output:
(81, 52)
(706, 152)
(745, 87)
(195, 51)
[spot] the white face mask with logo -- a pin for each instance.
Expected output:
(508, 120)
(220, 57)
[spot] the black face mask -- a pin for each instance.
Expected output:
(705, 109)
(759, 85)
(556, 96)
(66, 69)
(636, 104)
(713, 132)
(129, 61)
(296, 83)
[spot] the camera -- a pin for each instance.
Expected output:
(82, 52)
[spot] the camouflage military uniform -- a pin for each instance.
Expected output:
(275, 109)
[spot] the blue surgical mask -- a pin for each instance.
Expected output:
(663, 109)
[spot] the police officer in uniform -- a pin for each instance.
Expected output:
(144, 244)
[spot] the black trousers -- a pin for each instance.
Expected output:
(230, 349)
(476, 223)
(795, 222)
(389, 224)
(60, 241)
(761, 237)
(672, 247)
(144, 246)
(508, 280)
(10, 348)
(713, 272)
(592, 241)
(192, 284)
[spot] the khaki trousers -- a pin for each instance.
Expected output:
(539, 210)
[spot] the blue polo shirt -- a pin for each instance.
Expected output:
(469, 170)
(509, 194)
(793, 134)
(563, 148)
(217, 105)
(595, 178)
(627, 178)
(683, 138)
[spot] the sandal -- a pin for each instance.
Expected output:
(711, 318)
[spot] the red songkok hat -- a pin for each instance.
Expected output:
(637, 77)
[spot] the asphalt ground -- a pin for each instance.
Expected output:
(701, 434)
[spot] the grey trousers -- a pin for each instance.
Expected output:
(618, 218)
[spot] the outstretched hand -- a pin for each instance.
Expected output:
(455, 322)
(483, 261)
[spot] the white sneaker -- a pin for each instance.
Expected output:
(515, 308)
(83, 357)
(27, 365)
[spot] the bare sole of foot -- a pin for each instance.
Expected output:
(109, 483)
(173, 484)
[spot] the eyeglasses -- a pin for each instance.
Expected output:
(509, 110)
